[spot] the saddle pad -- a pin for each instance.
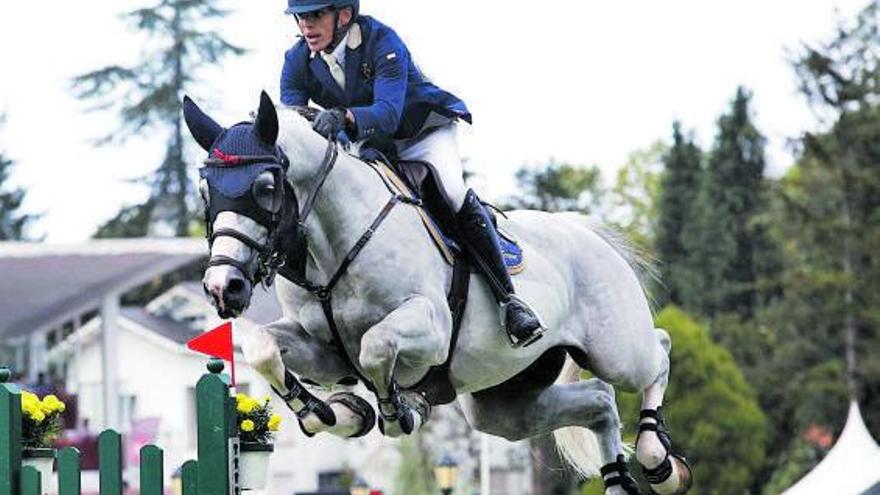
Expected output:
(512, 253)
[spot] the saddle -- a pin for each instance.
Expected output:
(419, 180)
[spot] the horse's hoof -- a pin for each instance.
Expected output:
(358, 406)
(680, 479)
(403, 423)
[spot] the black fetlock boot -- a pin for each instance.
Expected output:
(481, 242)
(617, 474)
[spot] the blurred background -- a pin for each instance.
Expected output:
(735, 143)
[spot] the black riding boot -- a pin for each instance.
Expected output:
(481, 242)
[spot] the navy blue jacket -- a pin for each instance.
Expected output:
(386, 92)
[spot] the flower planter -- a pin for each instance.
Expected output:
(42, 459)
(254, 465)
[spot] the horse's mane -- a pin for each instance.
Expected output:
(295, 134)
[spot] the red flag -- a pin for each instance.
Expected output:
(216, 343)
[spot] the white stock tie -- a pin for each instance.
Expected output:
(335, 69)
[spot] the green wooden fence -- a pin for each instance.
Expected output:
(215, 472)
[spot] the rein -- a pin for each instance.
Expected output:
(324, 293)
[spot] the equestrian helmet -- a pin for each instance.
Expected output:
(302, 6)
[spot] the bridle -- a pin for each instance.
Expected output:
(289, 261)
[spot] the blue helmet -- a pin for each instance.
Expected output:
(301, 6)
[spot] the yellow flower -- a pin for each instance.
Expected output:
(28, 399)
(240, 397)
(274, 422)
(51, 404)
(247, 425)
(38, 416)
(246, 406)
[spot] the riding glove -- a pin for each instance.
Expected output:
(329, 123)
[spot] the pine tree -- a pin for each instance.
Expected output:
(723, 241)
(147, 96)
(677, 208)
(13, 225)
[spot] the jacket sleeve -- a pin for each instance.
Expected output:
(293, 85)
(391, 62)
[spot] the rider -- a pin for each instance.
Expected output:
(361, 72)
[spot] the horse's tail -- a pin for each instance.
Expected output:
(577, 446)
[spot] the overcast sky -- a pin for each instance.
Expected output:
(584, 82)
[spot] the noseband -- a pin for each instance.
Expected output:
(282, 228)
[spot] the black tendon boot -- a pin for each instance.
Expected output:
(480, 239)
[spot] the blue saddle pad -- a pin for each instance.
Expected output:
(513, 255)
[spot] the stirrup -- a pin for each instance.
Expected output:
(622, 478)
(663, 471)
(536, 335)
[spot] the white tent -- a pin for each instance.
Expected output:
(850, 468)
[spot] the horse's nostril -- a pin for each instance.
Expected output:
(235, 286)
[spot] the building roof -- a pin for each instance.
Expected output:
(44, 285)
(851, 467)
(264, 307)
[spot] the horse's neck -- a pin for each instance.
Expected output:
(346, 204)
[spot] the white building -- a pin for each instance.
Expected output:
(59, 309)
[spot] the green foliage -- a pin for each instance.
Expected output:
(415, 474)
(711, 410)
(723, 242)
(559, 187)
(147, 97)
(13, 225)
(632, 202)
(677, 208)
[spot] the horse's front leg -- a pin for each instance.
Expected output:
(284, 346)
(416, 333)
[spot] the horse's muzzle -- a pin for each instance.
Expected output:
(230, 297)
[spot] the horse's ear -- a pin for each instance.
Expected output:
(267, 120)
(202, 127)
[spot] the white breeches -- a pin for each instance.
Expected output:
(440, 149)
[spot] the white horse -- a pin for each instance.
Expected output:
(391, 311)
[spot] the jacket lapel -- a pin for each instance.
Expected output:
(322, 72)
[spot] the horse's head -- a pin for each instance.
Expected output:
(246, 199)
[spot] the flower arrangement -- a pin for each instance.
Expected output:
(256, 421)
(41, 420)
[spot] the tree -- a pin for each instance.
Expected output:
(711, 409)
(677, 210)
(723, 241)
(415, 474)
(634, 199)
(13, 225)
(147, 96)
(559, 187)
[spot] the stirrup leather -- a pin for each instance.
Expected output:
(622, 477)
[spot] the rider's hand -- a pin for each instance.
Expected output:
(329, 123)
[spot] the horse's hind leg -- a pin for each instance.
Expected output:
(667, 472)
(516, 414)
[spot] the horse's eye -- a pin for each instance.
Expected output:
(204, 191)
(265, 193)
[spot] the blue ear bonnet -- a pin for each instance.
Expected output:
(237, 158)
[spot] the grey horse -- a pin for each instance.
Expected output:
(268, 180)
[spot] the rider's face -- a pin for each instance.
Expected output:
(317, 27)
